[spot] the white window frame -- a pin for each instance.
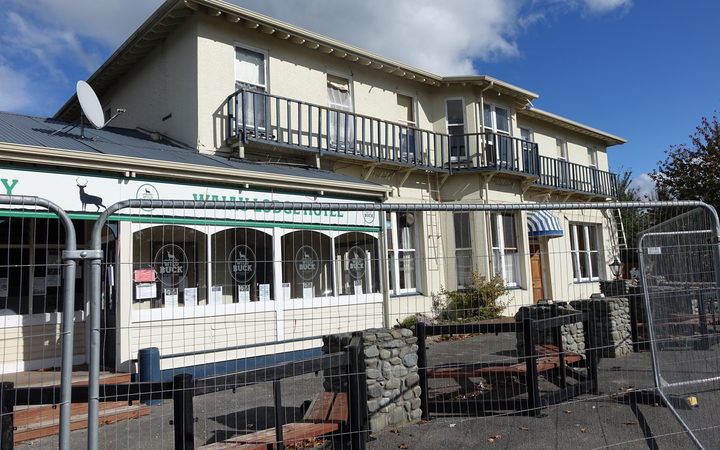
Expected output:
(464, 154)
(563, 148)
(493, 118)
(408, 141)
(459, 251)
(586, 230)
(347, 108)
(501, 250)
(394, 260)
(266, 86)
(592, 157)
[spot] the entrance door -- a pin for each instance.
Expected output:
(536, 271)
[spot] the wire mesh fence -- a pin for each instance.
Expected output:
(212, 323)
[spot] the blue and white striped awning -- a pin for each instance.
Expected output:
(543, 223)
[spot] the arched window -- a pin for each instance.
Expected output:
(169, 267)
(357, 265)
(307, 264)
(242, 265)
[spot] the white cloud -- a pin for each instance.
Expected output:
(14, 92)
(604, 6)
(441, 37)
(644, 185)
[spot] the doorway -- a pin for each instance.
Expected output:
(536, 270)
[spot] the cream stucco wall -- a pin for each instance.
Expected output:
(160, 91)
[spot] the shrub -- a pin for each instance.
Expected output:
(479, 300)
(408, 322)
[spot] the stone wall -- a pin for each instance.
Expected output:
(573, 336)
(612, 324)
(391, 375)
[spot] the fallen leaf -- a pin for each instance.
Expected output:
(395, 430)
(452, 425)
(583, 430)
(422, 422)
(491, 440)
(656, 404)
(631, 422)
(524, 429)
(403, 446)
(496, 436)
(568, 411)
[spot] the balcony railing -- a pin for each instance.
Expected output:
(281, 121)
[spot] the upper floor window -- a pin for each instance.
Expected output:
(463, 249)
(455, 113)
(506, 257)
(526, 134)
(585, 250)
(251, 74)
(561, 148)
(341, 126)
(496, 118)
(402, 241)
(250, 69)
(592, 157)
(406, 115)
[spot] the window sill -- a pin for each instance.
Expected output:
(514, 288)
(594, 280)
(406, 294)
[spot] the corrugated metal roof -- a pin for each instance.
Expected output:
(38, 131)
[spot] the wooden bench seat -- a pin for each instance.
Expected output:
(548, 359)
(326, 413)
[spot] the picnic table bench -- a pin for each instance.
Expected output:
(558, 366)
(327, 413)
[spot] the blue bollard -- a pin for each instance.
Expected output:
(149, 369)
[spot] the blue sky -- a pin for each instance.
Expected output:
(646, 70)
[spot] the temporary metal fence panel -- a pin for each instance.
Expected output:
(233, 317)
(40, 315)
(680, 263)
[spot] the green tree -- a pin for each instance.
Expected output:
(692, 171)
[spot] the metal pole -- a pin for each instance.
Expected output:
(69, 258)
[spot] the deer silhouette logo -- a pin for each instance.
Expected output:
(87, 199)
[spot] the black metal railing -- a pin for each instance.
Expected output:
(281, 121)
(561, 174)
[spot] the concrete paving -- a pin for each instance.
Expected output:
(603, 421)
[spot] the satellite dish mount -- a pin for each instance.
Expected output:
(91, 109)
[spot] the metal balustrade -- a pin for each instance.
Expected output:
(255, 116)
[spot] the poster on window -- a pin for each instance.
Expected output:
(264, 292)
(190, 297)
(145, 291)
(39, 286)
(216, 295)
(286, 291)
(171, 297)
(4, 287)
(307, 291)
(358, 287)
(243, 293)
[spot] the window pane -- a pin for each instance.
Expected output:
(502, 119)
(525, 134)
(357, 261)
(463, 260)
(487, 116)
(455, 113)
(508, 222)
(250, 66)
(595, 259)
(560, 148)
(511, 266)
(407, 270)
(462, 230)
(576, 264)
(497, 262)
(583, 265)
(493, 230)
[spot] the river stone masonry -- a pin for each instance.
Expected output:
(391, 375)
(612, 324)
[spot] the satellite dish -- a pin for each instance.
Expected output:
(90, 104)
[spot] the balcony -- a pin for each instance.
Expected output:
(261, 118)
